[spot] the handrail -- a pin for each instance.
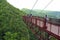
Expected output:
(49, 27)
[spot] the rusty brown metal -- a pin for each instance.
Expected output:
(45, 26)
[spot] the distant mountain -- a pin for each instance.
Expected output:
(54, 14)
(28, 11)
(51, 14)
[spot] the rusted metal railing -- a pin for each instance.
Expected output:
(52, 29)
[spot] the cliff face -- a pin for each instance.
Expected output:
(11, 25)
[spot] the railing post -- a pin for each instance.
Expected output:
(58, 30)
(30, 22)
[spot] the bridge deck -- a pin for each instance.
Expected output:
(49, 27)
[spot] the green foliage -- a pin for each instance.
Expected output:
(11, 36)
(32, 36)
(12, 26)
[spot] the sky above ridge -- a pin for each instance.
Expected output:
(53, 6)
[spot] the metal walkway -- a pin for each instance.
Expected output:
(37, 25)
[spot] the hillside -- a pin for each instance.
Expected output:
(11, 25)
(37, 12)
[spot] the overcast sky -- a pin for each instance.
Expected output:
(54, 6)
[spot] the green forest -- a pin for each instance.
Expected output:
(12, 26)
